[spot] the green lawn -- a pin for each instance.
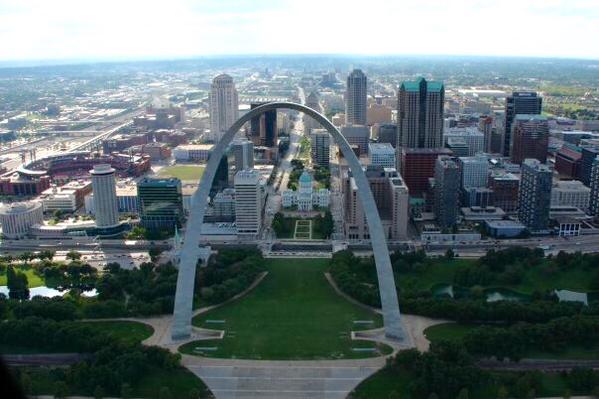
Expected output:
(292, 314)
(124, 330)
(33, 279)
(183, 172)
(441, 271)
(448, 331)
(387, 380)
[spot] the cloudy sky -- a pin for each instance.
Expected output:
(131, 29)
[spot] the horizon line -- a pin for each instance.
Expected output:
(49, 62)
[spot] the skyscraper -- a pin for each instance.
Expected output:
(105, 201)
(382, 154)
(474, 171)
(530, 138)
(420, 114)
(520, 102)
(160, 203)
(589, 155)
(355, 98)
(388, 134)
(224, 105)
(446, 193)
(243, 150)
(248, 203)
(534, 198)
(263, 128)
(321, 143)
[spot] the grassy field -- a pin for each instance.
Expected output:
(183, 172)
(387, 380)
(292, 314)
(448, 332)
(33, 279)
(442, 271)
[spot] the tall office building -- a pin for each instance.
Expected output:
(356, 98)
(594, 184)
(418, 166)
(312, 101)
(530, 138)
(243, 151)
(571, 193)
(474, 171)
(388, 134)
(321, 144)
(471, 136)
(420, 114)
(224, 105)
(263, 128)
(520, 102)
(357, 135)
(589, 155)
(105, 200)
(534, 199)
(446, 194)
(160, 203)
(391, 197)
(382, 154)
(248, 203)
(505, 187)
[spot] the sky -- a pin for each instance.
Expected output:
(141, 29)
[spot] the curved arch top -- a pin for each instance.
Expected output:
(181, 327)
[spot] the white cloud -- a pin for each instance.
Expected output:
(42, 29)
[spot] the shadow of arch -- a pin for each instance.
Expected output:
(181, 327)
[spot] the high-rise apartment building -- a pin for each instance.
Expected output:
(105, 200)
(446, 193)
(505, 187)
(534, 199)
(160, 203)
(224, 106)
(248, 203)
(420, 114)
(356, 98)
(520, 102)
(243, 151)
(321, 144)
(530, 138)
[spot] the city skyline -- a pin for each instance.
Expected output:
(37, 30)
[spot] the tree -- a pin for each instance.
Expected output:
(25, 382)
(46, 255)
(126, 391)
(464, 394)
(449, 254)
(73, 255)
(394, 395)
(154, 253)
(18, 285)
(165, 393)
(194, 393)
(502, 393)
(61, 390)
(98, 392)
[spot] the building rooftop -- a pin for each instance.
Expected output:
(414, 85)
(528, 117)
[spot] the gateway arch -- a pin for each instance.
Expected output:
(189, 255)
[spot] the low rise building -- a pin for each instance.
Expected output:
(193, 152)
